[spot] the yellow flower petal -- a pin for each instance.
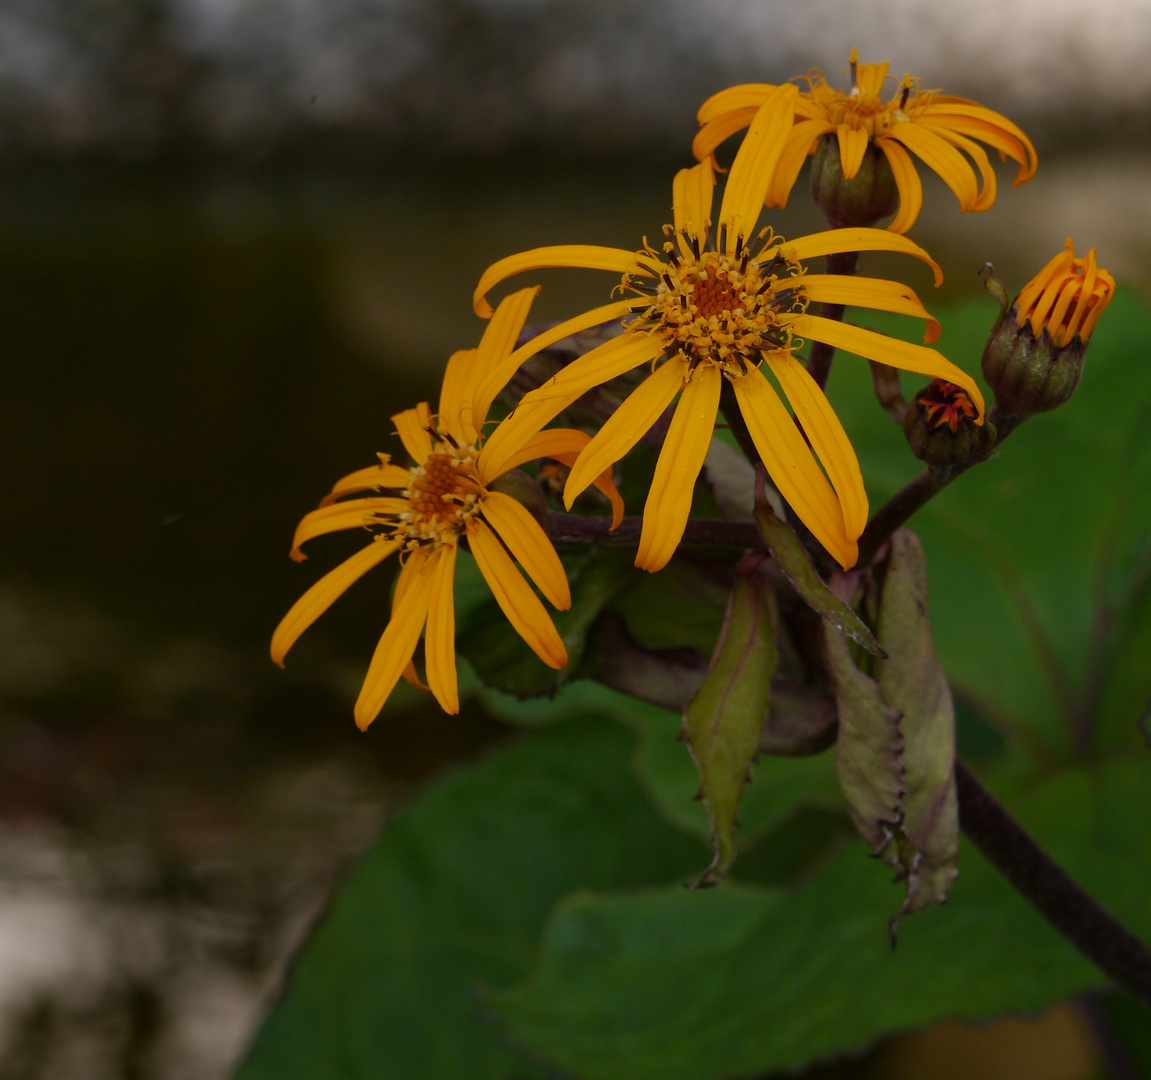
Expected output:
(754, 165)
(669, 499)
(455, 411)
(1085, 292)
(353, 514)
(412, 677)
(497, 344)
(529, 545)
(614, 357)
(497, 377)
(412, 427)
(564, 445)
(869, 78)
(440, 640)
(627, 425)
(1034, 288)
(400, 637)
(718, 131)
(791, 465)
(371, 478)
(854, 239)
(852, 147)
(874, 293)
(691, 197)
(827, 438)
(577, 255)
(1102, 293)
(907, 183)
(745, 96)
(940, 156)
(976, 152)
(515, 597)
(889, 350)
(324, 593)
(986, 125)
(800, 141)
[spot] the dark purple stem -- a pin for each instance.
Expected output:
(1051, 890)
(819, 362)
(699, 532)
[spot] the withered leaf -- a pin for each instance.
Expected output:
(722, 723)
(911, 680)
(868, 748)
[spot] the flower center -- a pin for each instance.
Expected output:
(714, 308)
(857, 111)
(445, 492)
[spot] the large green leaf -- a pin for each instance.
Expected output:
(453, 899)
(672, 985)
(1038, 558)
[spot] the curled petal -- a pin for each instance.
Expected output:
(374, 477)
(354, 514)
(907, 183)
(564, 445)
(578, 255)
(876, 293)
(942, 158)
(854, 239)
(890, 351)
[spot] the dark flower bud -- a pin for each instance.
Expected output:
(859, 200)
(941, 429)
(1034, 356)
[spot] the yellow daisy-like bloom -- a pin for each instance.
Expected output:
(934, 127)
(443, 498)
(1067, 297)
(705, 313)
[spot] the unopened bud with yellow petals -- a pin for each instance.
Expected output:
(1034, 356)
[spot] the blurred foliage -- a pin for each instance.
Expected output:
(528, 914)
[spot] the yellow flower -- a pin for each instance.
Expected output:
(933, 126)
(1067, 297)
(707, 313)
(446, 496)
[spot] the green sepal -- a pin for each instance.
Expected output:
(723, 722)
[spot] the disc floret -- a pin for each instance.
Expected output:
(444, 493)
(719, 309)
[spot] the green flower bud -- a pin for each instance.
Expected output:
(859, 201)
(1034, 356)
(941, 429)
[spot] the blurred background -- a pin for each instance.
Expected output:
(235, 237)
